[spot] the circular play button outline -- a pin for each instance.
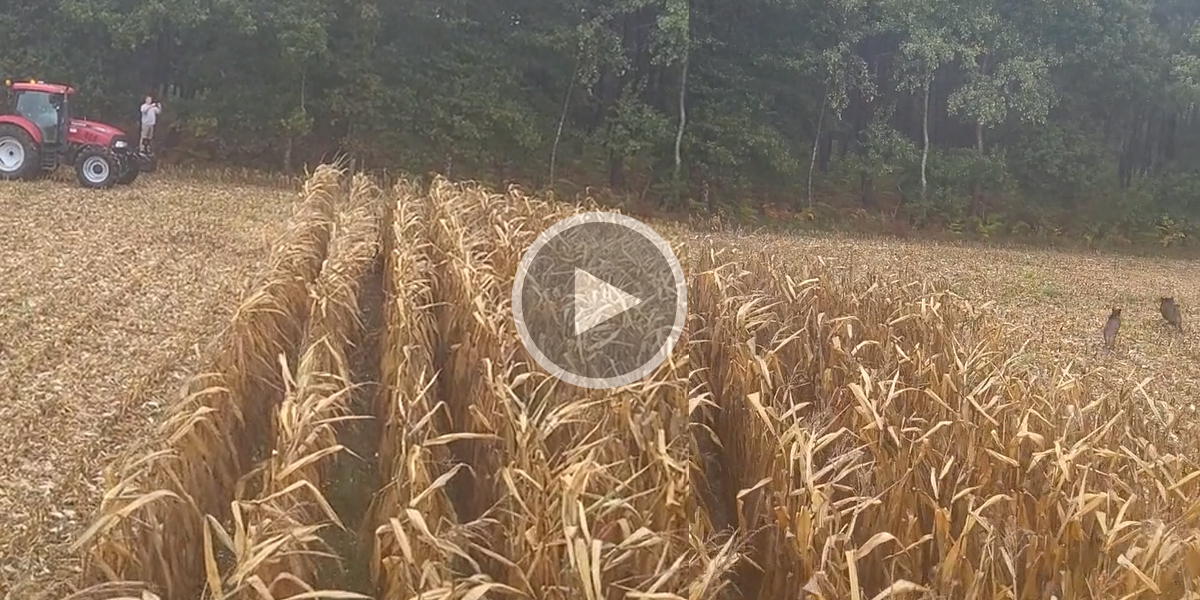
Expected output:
(663, 247)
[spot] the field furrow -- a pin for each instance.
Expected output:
(283, 525)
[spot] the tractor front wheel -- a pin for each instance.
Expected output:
(129, 171)
(96, 168)
(18, 154)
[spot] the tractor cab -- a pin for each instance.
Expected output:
(44, 105)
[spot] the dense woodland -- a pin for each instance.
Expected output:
(975, 114)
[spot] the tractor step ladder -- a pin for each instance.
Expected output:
(49, 161)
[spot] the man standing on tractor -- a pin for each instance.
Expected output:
(150, 112)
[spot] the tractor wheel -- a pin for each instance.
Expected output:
(129, 173)
(96, 168)
(18, 154)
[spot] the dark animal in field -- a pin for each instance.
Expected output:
(1111, 327)
(1170, 312)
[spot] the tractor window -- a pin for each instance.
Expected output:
(42, 109)
(37, 107)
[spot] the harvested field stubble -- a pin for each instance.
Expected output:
(497, 479)
(869, 436)
(103, 297)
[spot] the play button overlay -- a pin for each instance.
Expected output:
(599, 300)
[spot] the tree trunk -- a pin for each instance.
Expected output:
(562, 119)
(1149, 142)
(812, 162)
(977, 185)
(867, 189)
(682, 118)
(982, 62)
(289, 147)
(925, 139)
(1170, 124)
(826, 153)
(1127, 162)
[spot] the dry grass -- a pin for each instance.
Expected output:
(868, 432)
(103, 296)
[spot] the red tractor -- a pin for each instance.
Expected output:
(37, 134)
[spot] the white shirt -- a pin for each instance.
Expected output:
(150, 114)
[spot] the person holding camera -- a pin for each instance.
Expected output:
(150, 112)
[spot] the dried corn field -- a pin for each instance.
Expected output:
(879, 419)
(369, 425)
(842, 419)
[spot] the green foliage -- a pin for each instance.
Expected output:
(887, 151)
(1039, 114)
(1061, 163)
(1178, 192)
(1172, 232)
(297, 123)
(635, 127)
(948, 187)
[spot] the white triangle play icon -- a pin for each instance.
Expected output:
(597, 301)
